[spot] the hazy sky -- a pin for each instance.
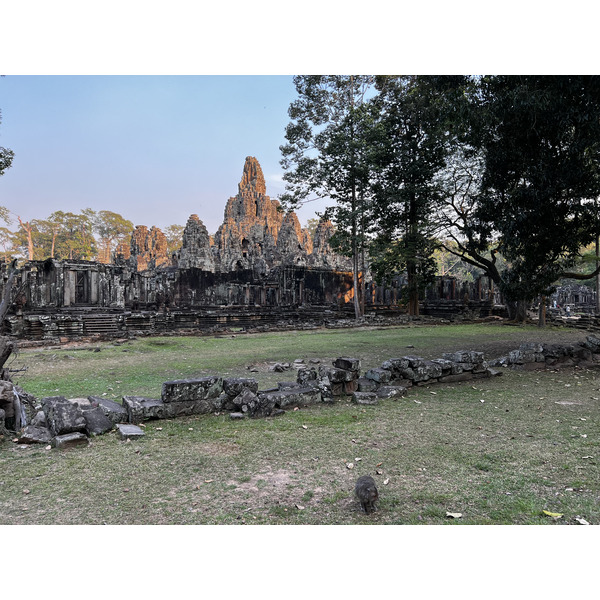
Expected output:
(152, 148)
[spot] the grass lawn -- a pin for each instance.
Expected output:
(496, 451)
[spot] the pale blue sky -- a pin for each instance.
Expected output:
(152, 148)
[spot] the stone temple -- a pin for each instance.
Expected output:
(259, 266)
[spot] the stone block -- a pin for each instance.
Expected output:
(365, 398)
(379, 375)
(247, 401)
(96, 422)
(447, 366)
(290, 398)
(129, 431)
(460, 356)
(366, 385)
(414, 361)
(70, 440)
(116, 412)
(141, 409)
(391, 391)
(535, 347)
(185, 409)
(186, 390)
(305, 376)
(350, 387)
(233, 386)
(39, 420)
(593, 343)
(336, 375)
(396, 364)
(347, 364)
(62, 416)
(35, 435)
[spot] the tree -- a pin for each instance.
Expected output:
(174, 235)
(411, 152)
(111, 228)
(325, 155)
(6, 157)
(534, 203)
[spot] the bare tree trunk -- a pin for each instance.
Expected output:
(28, 230)
(542, 312)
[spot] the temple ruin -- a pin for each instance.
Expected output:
(260, 266)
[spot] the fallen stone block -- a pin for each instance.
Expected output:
(186, 409)
(39, 420)
(366, 385)
(337, 375)
(141, 409)
(185, 390)
(307, 376)
(96, 422)
(291, 397)
(62, 416)
(414, 361)
(116, 412)
(365, 398)
(32, 434)
(70, 440)
(129, 431)
(391, 391)
(237, 415)
(347, 364)
(396, 364)
(233, 386)
(379, 375)
(593, 343)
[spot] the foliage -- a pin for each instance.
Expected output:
(6, 156)
(111, 228)
(415, 139)
(327, 154)
(174, 235)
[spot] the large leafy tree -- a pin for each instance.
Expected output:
(326, 156)
(415, 138)
(111, 228)
(538, 138)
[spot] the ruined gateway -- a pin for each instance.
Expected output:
(260, 267)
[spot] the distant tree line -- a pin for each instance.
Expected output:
(501, 172)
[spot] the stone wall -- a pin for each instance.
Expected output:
(64, 423)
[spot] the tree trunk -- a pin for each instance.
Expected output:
(517, 310)
(598, 275)
(542, 312)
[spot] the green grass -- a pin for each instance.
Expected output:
(500, 461)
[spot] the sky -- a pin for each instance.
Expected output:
(154, 149)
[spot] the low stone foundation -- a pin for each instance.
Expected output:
(64, 423)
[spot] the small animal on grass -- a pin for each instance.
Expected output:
(366, 492)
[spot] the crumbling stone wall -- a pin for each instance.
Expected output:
(64, 423)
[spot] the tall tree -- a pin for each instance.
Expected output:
(174, 235)
(412, 151)
(111, 228)
(325, 157)
(540, 146)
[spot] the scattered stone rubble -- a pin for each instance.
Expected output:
(65, 423)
